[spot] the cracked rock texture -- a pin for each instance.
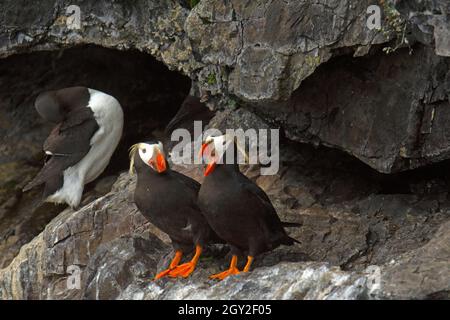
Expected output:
(374, 207)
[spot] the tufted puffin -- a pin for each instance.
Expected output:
(237, 209)
(89, 126)
(168, 199)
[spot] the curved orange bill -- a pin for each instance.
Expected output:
(209, 168)
(160, 163)
(202, 150)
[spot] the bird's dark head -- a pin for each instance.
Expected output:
(47, 106)
(148, 154)
(214, 151)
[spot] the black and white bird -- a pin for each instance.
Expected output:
(89, 125)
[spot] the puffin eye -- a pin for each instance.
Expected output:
(224, 142)
(144, 150)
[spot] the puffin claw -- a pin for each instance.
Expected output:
(232, 270)
(184, 270)
(222, 275)
(173, 264)
(163, 274)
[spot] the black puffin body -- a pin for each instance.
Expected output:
(88, 128)
(239, 211)
(168, 199)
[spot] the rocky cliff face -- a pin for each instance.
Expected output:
(311, 68)
(258, 52)
(368, 246)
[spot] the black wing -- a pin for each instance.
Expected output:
(196, 216)
(257, 191)
(267, 214)
(73, 135)
(66, 145)
(267, 203)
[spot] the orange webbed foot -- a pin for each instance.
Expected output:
(224, 274)
(176, 260)
(185, 270)
(163, 274)
(232, 270)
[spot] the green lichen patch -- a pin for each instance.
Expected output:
(395, 27)
(211, 79)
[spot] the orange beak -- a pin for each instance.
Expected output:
(209, 168)
(211, 165)
(202, 150)
(160, 162)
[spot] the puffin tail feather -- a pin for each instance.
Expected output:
(289, 241)
(291, 224)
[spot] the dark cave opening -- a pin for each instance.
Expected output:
(149, 93)
(347, 178)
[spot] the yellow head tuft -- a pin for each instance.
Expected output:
(133, 150)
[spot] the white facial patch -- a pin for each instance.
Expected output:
(146, 152)
(221, 144)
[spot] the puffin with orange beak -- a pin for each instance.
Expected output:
(168, 199)
(237, 209)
